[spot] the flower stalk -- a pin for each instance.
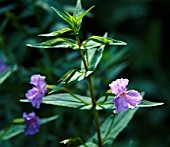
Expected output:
(90, 87)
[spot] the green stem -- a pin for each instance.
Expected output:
(95, 112)
(96, 118)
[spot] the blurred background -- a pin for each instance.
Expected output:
(142, 24)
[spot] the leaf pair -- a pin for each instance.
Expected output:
(84, 102)
(56, 43)
(61, 42)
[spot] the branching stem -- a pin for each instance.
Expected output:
(89, 82)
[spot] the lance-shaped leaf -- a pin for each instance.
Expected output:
(93, 57)
(74, 141)
(65, 31)
(56, 43)
(102, 103)
(107, 103)
(111, 127)
(16, 129)
(71, 77)
(79, 14)
(90, 44)
(95, 41)
(4, 75)
(78, 10)
(67, 100)
(145, 103)
(107, 40)
(80, 17)
(64, 16)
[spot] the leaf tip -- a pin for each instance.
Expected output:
(30, 45)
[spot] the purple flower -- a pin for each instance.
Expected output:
(3, 66)
(124, 99)
(32, 123)
(36, 94)
(38, 81)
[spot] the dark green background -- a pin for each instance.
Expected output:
(142, 24)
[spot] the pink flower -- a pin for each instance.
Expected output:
(124, 99)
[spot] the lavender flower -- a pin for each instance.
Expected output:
(124, 99)
(3, 66)
(38, 81)
(36, 94)
(32, 123)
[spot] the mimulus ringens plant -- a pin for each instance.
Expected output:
(91, 51)
(124, 99)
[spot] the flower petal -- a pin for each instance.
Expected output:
(119, 86)
(133, 98)
(37, 80)
(120, 104)
(35, 96)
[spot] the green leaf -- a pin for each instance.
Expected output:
(145, 103)
(93, 57)
(59, 32)
(71, 77)
(80, 17)
(10, 132)
(74, 141)
(49, 119)
(111, 127)
(102, 104)
(108, 104)
(67, 100)
(90, 44)
(79, 14)
(56, 43)
(64, 17)
(4, 75)
(95, 41)
(15, 129)
(78, 10)
(66, 77)
(71, 17)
